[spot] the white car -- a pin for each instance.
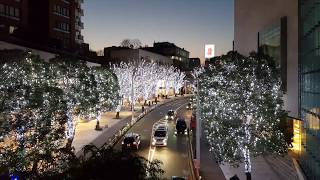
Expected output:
(159, 135)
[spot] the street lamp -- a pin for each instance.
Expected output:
(132, 94)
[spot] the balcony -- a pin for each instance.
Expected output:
(81, 12)
(79, 25)
(79, 1)
(79, 37)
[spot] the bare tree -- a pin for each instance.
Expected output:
(131, 43)
(100, 52)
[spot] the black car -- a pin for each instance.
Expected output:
(171, 115)
(189, 106)
(181, 126)
(131, 141)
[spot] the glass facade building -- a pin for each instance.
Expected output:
(309, 74)
(272, 41)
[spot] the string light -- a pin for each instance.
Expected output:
(241, 108)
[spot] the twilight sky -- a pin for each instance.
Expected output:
(188, 23)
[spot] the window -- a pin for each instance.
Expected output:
(1, 9)
(17, 12)
(12, 29)
(62, 26)
(11, 11)
(61, 10)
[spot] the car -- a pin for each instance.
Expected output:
(160, 135)
(178, 178)
(189, 106)
(193, 99)
(171, 115)
(181, 126)
(131, 141)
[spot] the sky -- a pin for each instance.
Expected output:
(190, 24)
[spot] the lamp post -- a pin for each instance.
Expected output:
(132, 95)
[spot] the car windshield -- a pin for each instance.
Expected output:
(160, 133)
(181, 123)
(128, 140)
(170, 113)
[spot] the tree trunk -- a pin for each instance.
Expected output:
(247, 163)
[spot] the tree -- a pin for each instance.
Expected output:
(241, 108)
(131, 43)
(40, 103)
(33, 111)
(106, 163)
(106, 91)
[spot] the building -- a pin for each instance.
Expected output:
(288, 30)
(180, 56)
(309, 68)
(271, 27)
(116, 54)
(194, 62)
(46, 23)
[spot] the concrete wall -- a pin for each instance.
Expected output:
(43, 54)
(137, 54)
(252, 16)
(153, 57)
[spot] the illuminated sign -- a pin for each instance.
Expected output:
(209, 51)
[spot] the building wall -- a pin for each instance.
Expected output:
(51, 23)
(138, 54)
(253, 16)
(153, 57)
(310, 86)
(19, 20)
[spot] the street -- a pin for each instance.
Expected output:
(175, 155)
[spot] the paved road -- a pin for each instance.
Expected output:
(175, 155)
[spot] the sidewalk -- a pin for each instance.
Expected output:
(263, 167)
(86, 133)
(209, 169)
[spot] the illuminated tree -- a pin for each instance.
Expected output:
(106, 91)
(241, 108)
(178, 80)
(33, 110)
(40, 103)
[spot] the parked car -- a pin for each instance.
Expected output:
(181, 126)
(171, 115)
(131, 141)
(160, 135)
